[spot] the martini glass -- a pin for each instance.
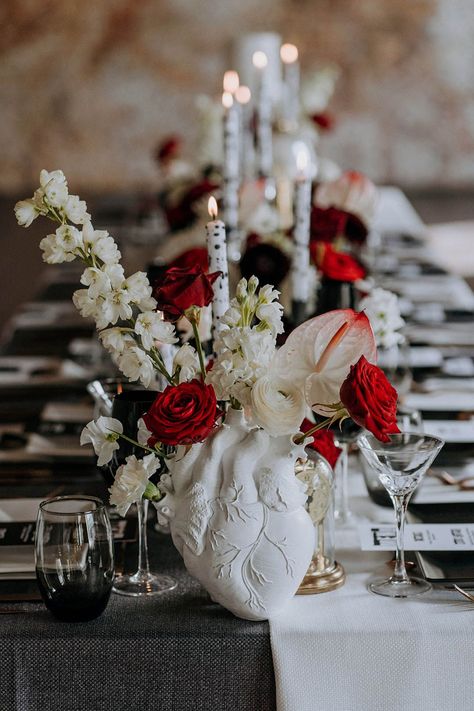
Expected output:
(400, 464)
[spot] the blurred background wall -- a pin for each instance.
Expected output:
(91, 85)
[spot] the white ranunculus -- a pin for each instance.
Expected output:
(186, 359)
(151, 328)
(76, 210)
(54, 186)
(135, 364)
(103, 434)
(277, 405)
(383, 311)
(26, 211)
(131, 481)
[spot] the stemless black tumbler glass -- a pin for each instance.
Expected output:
(74, 557)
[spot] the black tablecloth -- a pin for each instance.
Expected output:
(176, 652)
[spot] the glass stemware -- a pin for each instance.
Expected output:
(74, 557)
(400, 464)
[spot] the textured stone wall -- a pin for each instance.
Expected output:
(91, 85)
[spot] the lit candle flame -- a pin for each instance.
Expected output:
(231, 81)
(119, 388)
(288, 53)
(259, 60)
(212, 207)
(227, 100)
(243, 94)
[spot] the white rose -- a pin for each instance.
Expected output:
(277, 405)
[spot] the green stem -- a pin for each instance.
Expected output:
(199, 348)
(325, 423)
(137, 444)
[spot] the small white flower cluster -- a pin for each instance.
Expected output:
(383, 311)
(52, 197)
(245, 348)
(109, 296)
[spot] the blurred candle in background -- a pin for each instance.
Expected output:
(246, 144)
(231, 81)
(290, 103)
(264, 116)
(217, 255)
(300, 274)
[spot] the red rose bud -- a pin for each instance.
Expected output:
(370, 399)
(324, 120)
(179, 289)
(323, 443)
(182, 414)
(168, 149)
(339, 266)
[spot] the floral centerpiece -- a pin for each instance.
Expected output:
(228, 430)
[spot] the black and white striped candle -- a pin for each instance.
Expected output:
(217, 255)
(231, 172)
(300, 267)
(290, 104)
(264, 117)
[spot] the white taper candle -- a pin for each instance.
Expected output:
(301, 230)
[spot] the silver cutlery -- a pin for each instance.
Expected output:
(465, 594)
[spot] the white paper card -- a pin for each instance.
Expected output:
(418, 537)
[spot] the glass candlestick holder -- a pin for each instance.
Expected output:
(324, 573)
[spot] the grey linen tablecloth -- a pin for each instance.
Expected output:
(176, 652)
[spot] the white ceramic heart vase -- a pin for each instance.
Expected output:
(236, 514)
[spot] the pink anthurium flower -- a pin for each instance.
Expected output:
(317, 355)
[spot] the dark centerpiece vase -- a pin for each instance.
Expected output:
(335, 294)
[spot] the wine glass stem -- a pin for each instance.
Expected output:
(400, 505)
(142, 510)
(342, 486)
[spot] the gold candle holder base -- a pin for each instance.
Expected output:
(319, 580)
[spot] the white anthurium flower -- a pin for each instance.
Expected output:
(277, 405)
(84, 304)
(352, 192)
(131, 481)
(54, 186)
(186, 359)
(151, 328)
(116, 340)
(103, 434)
(135, 364)
(26, 211)
(76, 210)
(318, 354)
(383, 311)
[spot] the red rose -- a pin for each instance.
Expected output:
(178, 289)
(327, 223)
(189, 259)
(338, 266)
(323, 443)
(370, 399)
(182, 414)
(331, 222)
